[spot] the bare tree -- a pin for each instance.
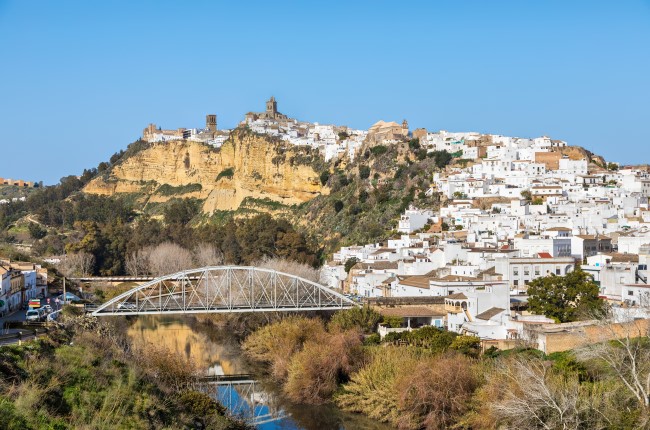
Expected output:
(79, 264)
(137, 263)
(290, 267)
(206, 254)
(625, 348)
(529, 394)
(168, 258)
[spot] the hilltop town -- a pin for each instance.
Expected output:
(475, 218)
(513, 210)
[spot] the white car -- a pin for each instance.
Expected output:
(47, 308)
(33, 315)
(127, 306)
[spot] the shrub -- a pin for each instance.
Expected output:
(169, 190)
(316, 371)
(226, 173)
(36, 231)
(372, 390)
(467, 345)
(436, 393)
(276, 344)
(378, 150)
(364, 172)
(361, 318)
(338, 205)
(324, 177)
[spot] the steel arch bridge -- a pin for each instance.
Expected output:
(225, 289)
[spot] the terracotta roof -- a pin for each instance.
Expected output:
(544, 255)
(456, 278)
(591, 237)
(416, 281)
(625, 258)
(489, 314)
(459, 296)
(410, 311)
(380, 265)
(383, 250)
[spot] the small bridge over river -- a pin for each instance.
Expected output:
(245, 398)
(225, 289)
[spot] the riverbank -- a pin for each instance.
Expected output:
(88, 374)
(434, 379)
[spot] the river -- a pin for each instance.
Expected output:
(246, 391)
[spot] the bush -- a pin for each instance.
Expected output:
(36, 231)
(324, 177)
(436, 393)
(316, 371)
(467, 345)
(276, 344)
(338, 205)
(226, 173)
(393, 322)
(364, 172)
(378, 150)
(169, 190)
(360, 318)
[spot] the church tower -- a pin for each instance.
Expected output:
(211, 122)
(271, 107)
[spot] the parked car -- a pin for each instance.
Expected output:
(33, 315)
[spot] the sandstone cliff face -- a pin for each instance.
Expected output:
(247, 165)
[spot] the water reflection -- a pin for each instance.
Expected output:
(219, 354)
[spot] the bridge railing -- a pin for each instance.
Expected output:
(225, 289)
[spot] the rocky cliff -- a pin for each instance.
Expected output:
(247, 167)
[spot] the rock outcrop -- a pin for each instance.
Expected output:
(246, 166)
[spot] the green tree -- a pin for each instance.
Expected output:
(564, 298)
(364, 172)
(349, 264)
(36, 231)
(338, 205)
(526, 194)
(441, 158)
(324, 177)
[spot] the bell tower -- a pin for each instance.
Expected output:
(271, 107)
(211, 122)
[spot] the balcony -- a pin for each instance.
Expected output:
(454, 309)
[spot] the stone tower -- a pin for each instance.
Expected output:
(211, 122)
(271, 107)
(405, 125)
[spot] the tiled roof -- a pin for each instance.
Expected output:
(489, 313)
(410, 311)
(416, 281)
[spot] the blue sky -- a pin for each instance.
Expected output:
(80, 80)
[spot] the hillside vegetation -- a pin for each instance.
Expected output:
(255, 197)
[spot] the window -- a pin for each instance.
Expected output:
(630, 292)
(557, 271)
(515, 272)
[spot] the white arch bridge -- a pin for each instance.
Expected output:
(225, 289)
